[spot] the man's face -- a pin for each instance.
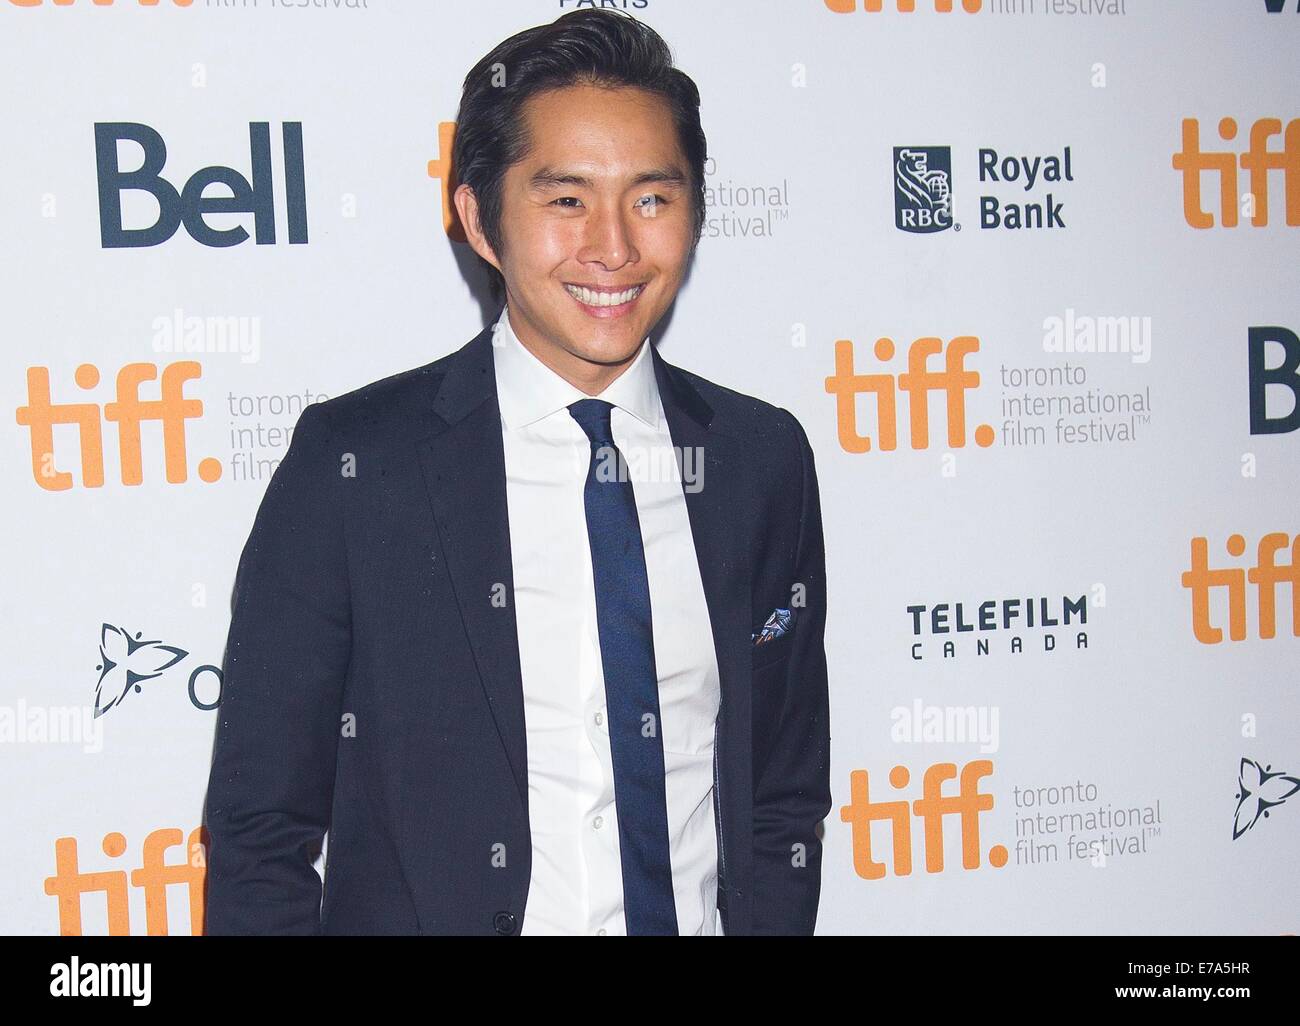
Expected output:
(602, 200)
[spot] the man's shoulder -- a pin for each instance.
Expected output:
(399, 405)
(755, 421)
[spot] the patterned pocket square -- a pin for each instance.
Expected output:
(779, 623)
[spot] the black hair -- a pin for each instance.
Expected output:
(599, 47)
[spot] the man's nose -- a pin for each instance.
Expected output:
(609, 237)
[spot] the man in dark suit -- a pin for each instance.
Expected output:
(526, 681)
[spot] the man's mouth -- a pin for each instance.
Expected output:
(605, 302)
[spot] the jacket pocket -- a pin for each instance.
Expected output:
(771, 651)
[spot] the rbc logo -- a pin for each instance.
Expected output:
(190, 204)
(922, 188)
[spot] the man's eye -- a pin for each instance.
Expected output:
(563, 198)
(655, 200)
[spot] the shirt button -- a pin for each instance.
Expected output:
(599, 718)
(598, 822)
(600, 932)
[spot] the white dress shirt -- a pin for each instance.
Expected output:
(576, 886)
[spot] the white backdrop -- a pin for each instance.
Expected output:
(1148, 748)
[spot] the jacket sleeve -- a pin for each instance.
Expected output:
(792, 792)
(271, 783)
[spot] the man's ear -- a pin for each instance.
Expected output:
(467, 209)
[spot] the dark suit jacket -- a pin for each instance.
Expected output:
(372, 684)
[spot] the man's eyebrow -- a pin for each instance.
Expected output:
(550, 178)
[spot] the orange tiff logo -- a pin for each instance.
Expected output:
(918, 382)
(906, 6)
(128, 412)
(440, 169)
(1266, 575)
(930, 808)
(97, 3)
(153, 876)
(1257, 161)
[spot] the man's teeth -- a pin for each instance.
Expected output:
(603, 298)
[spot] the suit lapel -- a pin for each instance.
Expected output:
(714, 508)
(464, 471)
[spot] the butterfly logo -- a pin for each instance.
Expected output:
(126, 662)
(1258, 790)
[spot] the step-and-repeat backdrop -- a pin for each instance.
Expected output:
(1025, 270)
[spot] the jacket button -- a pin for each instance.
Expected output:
(504, 922)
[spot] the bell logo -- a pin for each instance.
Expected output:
(1258, 161)
(190, 204)
(172, 408)
(918, 382)
(930, 808)
(1266, 575)
(1286, 375)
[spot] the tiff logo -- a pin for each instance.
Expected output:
(96, 3)
(172, 409)
(153, 876)
(930, 809)
(918, 382)
(1257, 161)
(1266, 575)
(903, 6)
(439, 169)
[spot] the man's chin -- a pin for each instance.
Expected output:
(604, 345)
(607, 356)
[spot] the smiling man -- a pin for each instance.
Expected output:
(527, 682)
(602, 214)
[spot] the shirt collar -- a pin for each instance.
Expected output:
(528, 390)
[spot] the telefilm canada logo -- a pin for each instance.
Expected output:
(950, 630)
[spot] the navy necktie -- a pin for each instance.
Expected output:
(631, 684)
